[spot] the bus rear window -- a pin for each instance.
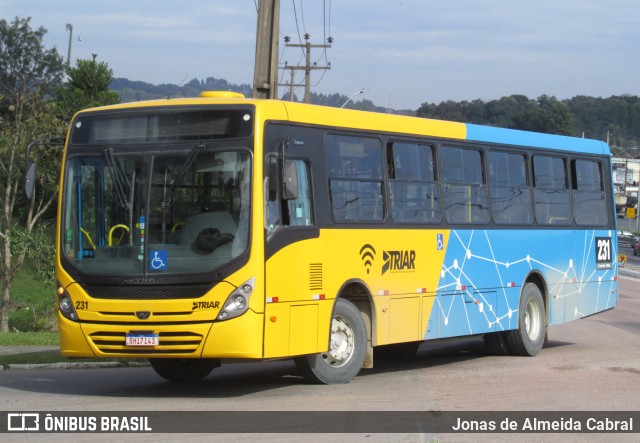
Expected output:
(146, 126)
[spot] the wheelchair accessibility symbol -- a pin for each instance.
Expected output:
(158, 261)
(440, 242)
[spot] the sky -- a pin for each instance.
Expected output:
(402, 52)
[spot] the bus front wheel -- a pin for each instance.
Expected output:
(347, 348)
(183, 369)
(529, 337)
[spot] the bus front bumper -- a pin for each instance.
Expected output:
(241, 337)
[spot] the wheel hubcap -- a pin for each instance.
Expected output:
(341, 345)
(532, 320)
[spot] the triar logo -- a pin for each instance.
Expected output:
(398, 260)
(367, 254)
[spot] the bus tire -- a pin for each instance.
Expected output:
(347, 348)
(183, 369)
(496, 343)
(528, 339)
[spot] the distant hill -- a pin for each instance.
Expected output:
(616, 119)
(133, 91)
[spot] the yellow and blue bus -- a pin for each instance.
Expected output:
(195, 231)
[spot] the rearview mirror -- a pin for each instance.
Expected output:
(290, 179)
(29, 180)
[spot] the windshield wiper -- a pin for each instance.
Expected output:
(179, 173)
(121, 182)
(177, 176)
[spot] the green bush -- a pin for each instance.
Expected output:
(32, 305)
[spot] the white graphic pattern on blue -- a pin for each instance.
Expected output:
(483, 272)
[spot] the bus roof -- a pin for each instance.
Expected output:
(374, 121)
(440, 128)
(537, 139)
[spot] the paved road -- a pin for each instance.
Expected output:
(588, 365)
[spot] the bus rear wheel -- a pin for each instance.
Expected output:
(528, 339)
(496, 343)
(347, 348)
(183, 369)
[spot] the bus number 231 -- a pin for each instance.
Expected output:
(603, 252)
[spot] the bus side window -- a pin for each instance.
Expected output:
(413, 189)
(552, 201)
(301, 207)
(589, 201)
(465, 194)
(355, 178)
(510, 192)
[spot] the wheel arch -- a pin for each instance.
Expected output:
(538, 279)
(357, 292)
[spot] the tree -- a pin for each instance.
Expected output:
(447, 110)
(550, 116)
(26, 65)
(28, 74)
(88, 87)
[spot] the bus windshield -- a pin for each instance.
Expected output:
(174, 209)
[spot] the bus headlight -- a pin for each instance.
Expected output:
(65, 304)
(238, 301)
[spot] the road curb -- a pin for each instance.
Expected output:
(635, 273)
(71, 365)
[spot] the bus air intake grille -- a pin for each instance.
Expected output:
(315, 277)
(169, 343)
(146, 292)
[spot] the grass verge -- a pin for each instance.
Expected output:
(32, 358)
(28, 338)
(50, 357)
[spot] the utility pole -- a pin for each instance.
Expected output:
(265, 74)
(292, 84)
(307, 68)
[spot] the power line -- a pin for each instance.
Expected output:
(307, 67)
(324, 27)
(295, 15)
(320, 79)
(304, 27)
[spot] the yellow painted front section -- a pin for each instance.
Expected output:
(402, 299)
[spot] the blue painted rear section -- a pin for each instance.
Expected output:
(483, 272)
(535, 139)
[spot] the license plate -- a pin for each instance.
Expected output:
(142, 340)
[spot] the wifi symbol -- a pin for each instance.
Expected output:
(367, 253)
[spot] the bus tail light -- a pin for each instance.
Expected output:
(238, 301)
(65, 304)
